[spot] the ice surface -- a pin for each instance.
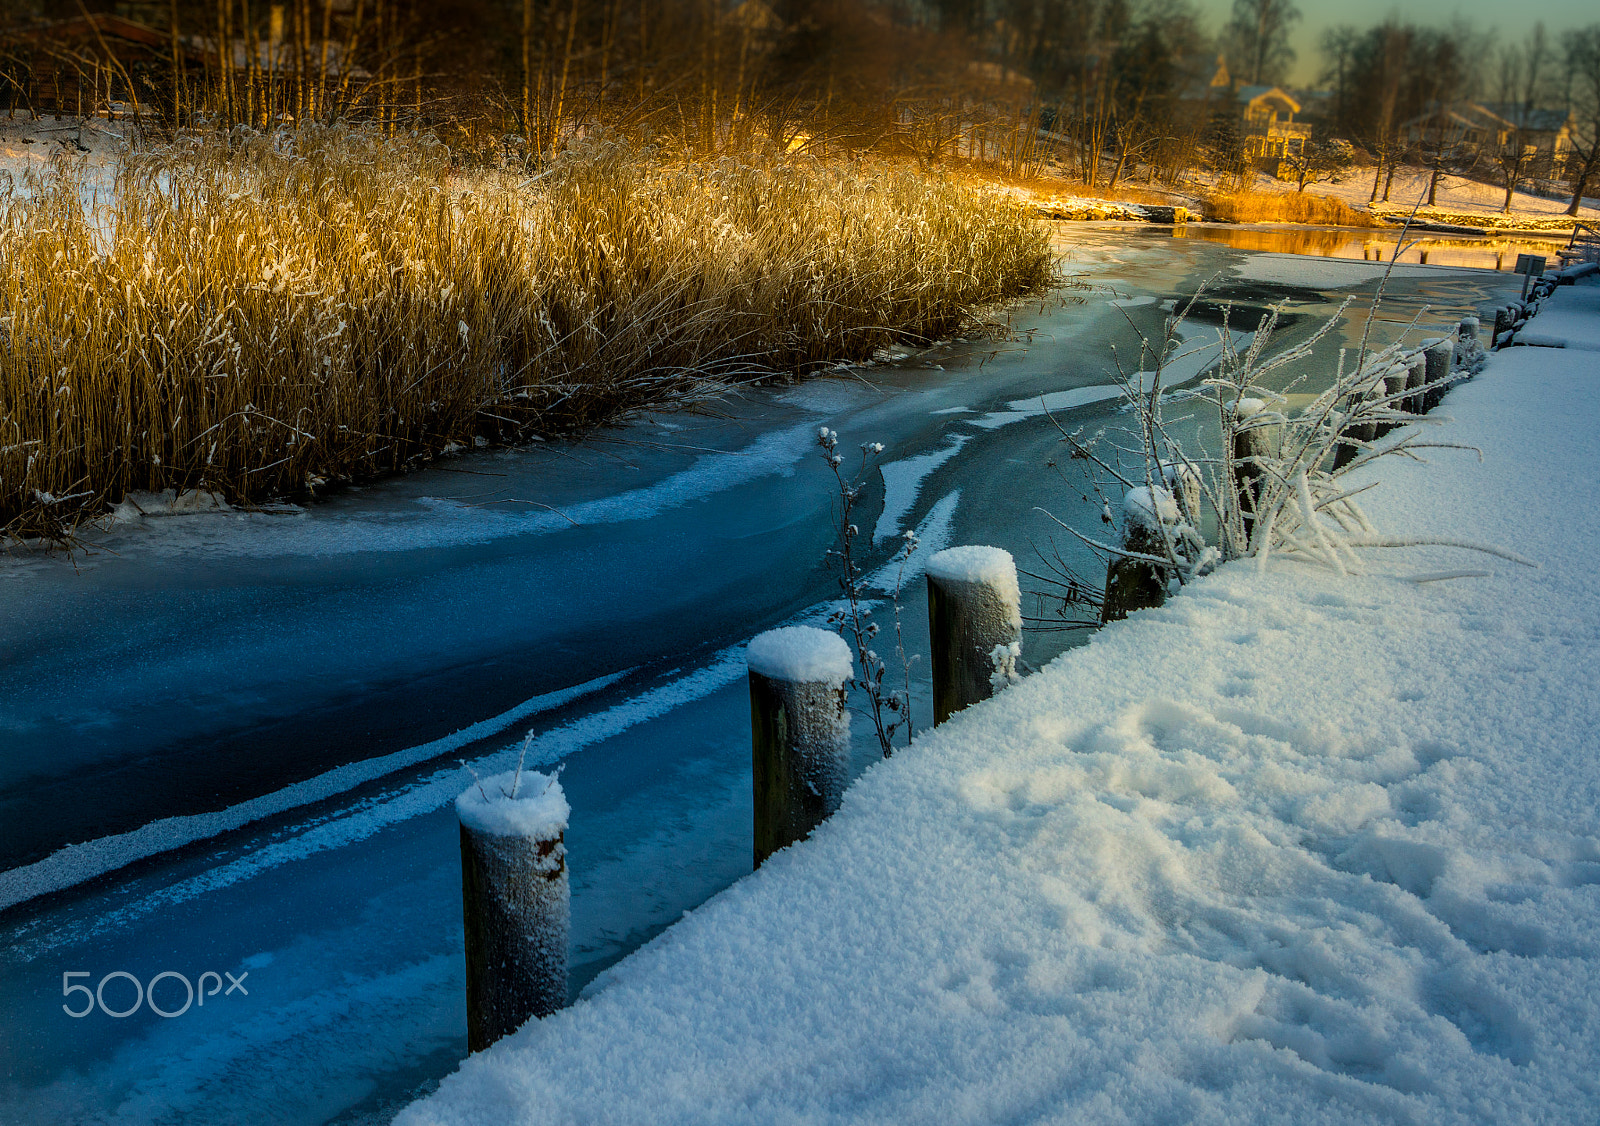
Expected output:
(802, 654)
(1295, 848)
(80, 862)
(1323, 273)
(1198, 348)
(515, 804)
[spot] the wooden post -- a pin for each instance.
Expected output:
(974, 625)
(799, 732)
(1135, 584)
(1438, 355)
(515, 901)
(1503, 320)
(1395, 382)
(1469, 355)
(1416, 379)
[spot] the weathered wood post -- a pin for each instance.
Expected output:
(1251, 445)
(1416, 380)
(974, 625)
(1134, 584)
(799, 732)
(1438, 355)
(515, 901)
(1395, 382)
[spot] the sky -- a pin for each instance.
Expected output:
(1558, 16)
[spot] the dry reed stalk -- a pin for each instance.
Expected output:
(256, 314)
(1288, 207)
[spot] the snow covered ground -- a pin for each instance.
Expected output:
(29, 145)
(1298, 847)
(1456, 194)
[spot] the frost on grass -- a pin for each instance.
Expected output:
(801, 655)
(1278, 481)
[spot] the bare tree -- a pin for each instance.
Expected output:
(1521, 78)
(1258, 34)
(1583, 72)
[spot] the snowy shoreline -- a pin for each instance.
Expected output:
(1297, 847)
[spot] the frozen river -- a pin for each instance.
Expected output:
(228, 743)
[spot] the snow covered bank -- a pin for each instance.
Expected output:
(1471, 201)
(1295, 848)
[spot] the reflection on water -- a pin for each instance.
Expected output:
(1489, 252)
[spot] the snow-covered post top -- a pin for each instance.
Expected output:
(515, 901)
(974, 625)
(1392, 388)
(799, 732)
(801, 654)
(1149, 509)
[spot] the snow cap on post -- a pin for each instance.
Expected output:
(1248, 408)
(1150, 508)
(992, 567)
(801, 655)
(538, 811)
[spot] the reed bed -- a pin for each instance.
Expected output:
(256, 315)
(1288, 207)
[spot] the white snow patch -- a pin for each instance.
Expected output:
(902, 483)
(137, 506)
(933, 534)
(1323, 273)
(516, 803)
(801, 655)
(971, 563)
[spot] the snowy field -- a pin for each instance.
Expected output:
(1455, 194)
(1298, 847)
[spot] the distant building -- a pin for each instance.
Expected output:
(1270, 131)
(1266, 113)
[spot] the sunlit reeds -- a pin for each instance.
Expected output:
(1288, 207)
(255, 314)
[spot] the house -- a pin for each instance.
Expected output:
(1266, 113)
(1482, 128)
(1270, 131)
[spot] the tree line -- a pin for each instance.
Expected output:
(1113, 89)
